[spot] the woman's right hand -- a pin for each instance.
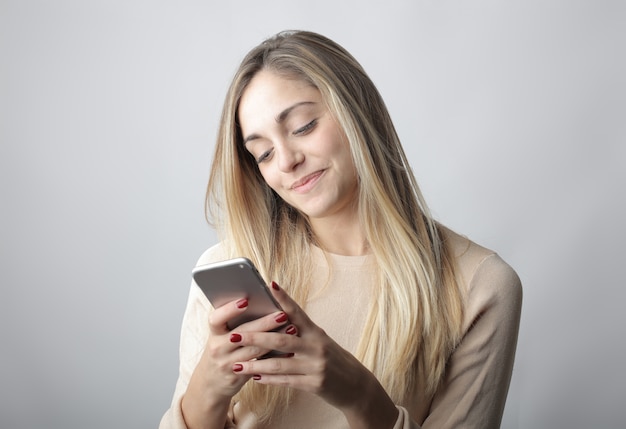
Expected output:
(213, 383)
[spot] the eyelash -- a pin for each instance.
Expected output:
(304, 130)
(263, 157)
(299, 132)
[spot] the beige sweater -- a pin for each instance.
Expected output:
(477, 379)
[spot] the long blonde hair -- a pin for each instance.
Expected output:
(419, 298)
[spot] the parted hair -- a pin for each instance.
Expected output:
(418, 297)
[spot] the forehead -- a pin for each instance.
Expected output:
(269, 93)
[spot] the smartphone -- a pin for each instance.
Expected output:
(235, 279)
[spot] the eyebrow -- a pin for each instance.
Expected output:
(280, 118)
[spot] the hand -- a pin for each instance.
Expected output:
(317, 364)
(213, 382)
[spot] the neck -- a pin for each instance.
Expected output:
(341, 237)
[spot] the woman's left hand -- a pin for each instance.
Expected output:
(315, 363)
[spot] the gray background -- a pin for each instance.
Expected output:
(513, 115)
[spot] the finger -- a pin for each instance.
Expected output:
(295, 381)
(243, 353)
(275, 341)
(220, 316)
(296, 315)
(284, 364)
(290, 329)
(256, 345)
(270, 322)
(223, 350)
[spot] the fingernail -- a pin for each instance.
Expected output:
(275, 286)
(242, 303)
(256, 377)
(237, 367)
(291, 330)
(282, 317)
(235, 338)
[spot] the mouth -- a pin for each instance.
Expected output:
(307, 182)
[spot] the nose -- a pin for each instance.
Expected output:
(288, 156)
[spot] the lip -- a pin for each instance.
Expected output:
(307, 182)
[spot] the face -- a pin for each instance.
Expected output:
(301, 151)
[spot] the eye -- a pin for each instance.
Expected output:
(306, 129)
(264, 156)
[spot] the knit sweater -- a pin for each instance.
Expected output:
(474, 390)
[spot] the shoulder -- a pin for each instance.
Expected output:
(482, 273)
(197, 301)
(215, 253)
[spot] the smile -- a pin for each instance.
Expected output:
(307, 183)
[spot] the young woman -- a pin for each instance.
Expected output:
(393, 321)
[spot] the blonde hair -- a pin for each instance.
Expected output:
(419, 299)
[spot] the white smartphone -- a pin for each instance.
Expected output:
(235, 279)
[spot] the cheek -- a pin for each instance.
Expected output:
(337, 143)
(269, 178)
(340, 150)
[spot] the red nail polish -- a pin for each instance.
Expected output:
(282, 317)
(275, 286)
(256, 377)
(242, 303)
(291, 330)
(237, 367)
(235, 338)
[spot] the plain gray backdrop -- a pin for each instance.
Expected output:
(513, 115)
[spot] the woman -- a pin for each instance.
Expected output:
(393, 320)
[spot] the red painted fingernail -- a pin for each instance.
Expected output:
(291, 330)
(256, 377)
(237, 367)
(242, 303)
(282, 317)
(235, 338)
(275, 286)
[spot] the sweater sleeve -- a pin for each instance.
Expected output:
(192, 341)
(193, 338)
(476, 384)
(474, 390)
